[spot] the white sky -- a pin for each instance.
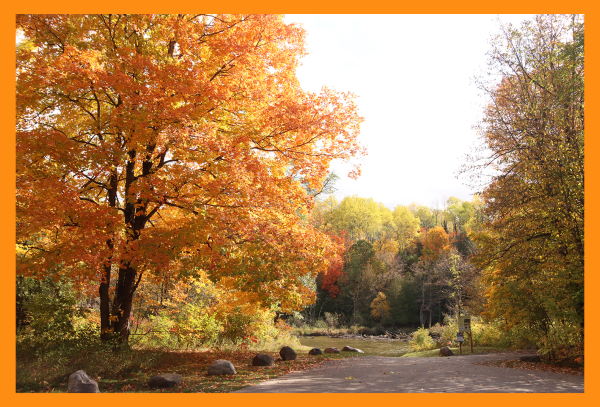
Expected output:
(413, 75)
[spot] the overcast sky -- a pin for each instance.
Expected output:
(413, 75)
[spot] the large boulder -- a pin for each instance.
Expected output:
(315, 351)
(445, 351)
(262, 360)
(332, 350)
(163, 381)
(287, 353)
(221, 367)
(80, 382)
(351, 349)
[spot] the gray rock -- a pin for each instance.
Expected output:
(167, 380)
(262, 360)
(351, 349)
(315, 351)
(445, 351)
(287, 353)
(221, 367)
(332, 350)
(80, 382)
(530, 358)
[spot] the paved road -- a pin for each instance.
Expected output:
(456, 374)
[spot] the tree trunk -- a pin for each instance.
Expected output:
(114, 321)
(430, 318)
(105, 304)
(422, 310)
(123, 301)
(114, 318)
(430, 308)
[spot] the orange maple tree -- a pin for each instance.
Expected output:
(435, 242)
(179, 142)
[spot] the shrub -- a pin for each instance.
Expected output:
(320, 324)
(46, 311)
(422, 341)
(332, 321)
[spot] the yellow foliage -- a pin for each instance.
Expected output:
(380, 307)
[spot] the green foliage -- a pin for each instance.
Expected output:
(46, 311)
(360, 218)
(402, 293)
(532, 247)
(406, 226)
(422, 341)
(321, 324)
(483, 334)
(53, 366)
(458, 213)
(425, 216)
(359, 255)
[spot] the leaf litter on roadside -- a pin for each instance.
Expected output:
(542, 367)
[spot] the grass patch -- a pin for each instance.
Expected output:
(466, 351)
(41, 376)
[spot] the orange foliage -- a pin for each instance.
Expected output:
(435, 242)
(335, 270)
(172, 142)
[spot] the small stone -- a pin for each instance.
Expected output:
(445, 351)
(262, 360)
(332, 350)
(80, 382)
(221, 367)
(164, 381)
(351, 349)
(287, 353)
(315, 351)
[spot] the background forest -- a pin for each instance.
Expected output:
(174, 191)
(406, 267)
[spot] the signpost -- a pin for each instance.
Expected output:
(464, 325)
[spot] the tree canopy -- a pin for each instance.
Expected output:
(181, 142)
(532, 246)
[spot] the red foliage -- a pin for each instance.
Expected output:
(330, 279)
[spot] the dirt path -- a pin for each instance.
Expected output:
(456, 374)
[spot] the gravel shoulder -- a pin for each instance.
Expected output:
(455, 374)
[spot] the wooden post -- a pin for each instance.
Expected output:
(458, 323)
(471, 341)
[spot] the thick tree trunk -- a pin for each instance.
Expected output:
(115, 314)
(123, 302)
